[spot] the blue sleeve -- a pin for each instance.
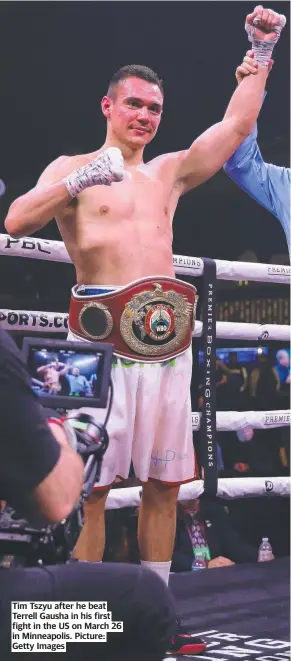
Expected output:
(264, 182)
(268, 184)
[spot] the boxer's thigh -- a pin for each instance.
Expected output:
(163, 446)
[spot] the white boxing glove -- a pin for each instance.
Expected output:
(107, 168)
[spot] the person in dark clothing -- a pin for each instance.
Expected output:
(264, 453)
(264, 385)
(222, 543)
(237, 380)
(220, 383)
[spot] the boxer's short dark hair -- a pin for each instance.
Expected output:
(134, 71)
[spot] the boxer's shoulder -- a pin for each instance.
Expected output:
(63, 166)
(78, 160)
(166, 166)
(57, 169)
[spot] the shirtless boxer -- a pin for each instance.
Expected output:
(51, 376)
(122, 233)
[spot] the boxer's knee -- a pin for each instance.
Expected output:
(96, 502)
(156, 495)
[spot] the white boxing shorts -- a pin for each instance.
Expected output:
(150, 422)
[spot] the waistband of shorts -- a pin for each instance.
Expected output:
(94, 290)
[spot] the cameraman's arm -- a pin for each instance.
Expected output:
(37, 467)
(57, 494)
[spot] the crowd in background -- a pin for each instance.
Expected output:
(263, 385)
(259, 386)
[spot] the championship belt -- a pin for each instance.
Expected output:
(149, 320)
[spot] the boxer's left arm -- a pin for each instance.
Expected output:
(214, 147)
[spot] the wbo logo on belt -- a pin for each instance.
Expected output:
(155, 322)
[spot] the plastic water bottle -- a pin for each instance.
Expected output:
(265, 550)
(199, 562)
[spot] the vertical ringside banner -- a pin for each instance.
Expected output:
(208, 417)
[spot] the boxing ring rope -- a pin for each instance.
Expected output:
(234, 420)
(228, 489)
(55, 251)
(57, 322)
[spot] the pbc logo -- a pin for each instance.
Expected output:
(269, 485)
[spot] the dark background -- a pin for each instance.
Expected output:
(56, 61)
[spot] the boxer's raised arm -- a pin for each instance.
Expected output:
(42, 369)
(34, 210)
(206, 155)
(215, 146)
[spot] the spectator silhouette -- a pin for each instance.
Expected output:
(264, 384)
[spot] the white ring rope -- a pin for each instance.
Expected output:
(228, 488)
(55, 251)
(234, 420)
(57, 322)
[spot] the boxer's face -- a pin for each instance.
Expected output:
(134, 114)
